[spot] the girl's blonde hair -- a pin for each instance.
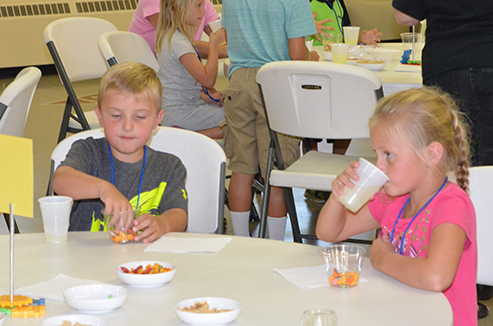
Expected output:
(133, 78)
(420, 116)
(173, 16)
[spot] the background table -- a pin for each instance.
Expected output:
(243, 270)
(392, 81)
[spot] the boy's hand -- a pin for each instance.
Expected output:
(115, 203)
(153, 227)
(314, 56)
(217, 38)
(344, 180)
(370, 37)
(319, 25)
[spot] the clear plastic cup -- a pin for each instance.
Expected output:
(319, 317)
(343, 263)
(339, 52)
(351, 34)
(329, 38)
(215, 25)
(371, 179)
(55, 211)
(116, 225)
(407, 44)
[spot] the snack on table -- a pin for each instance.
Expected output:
(344, 280)
(155, 269)
(68, 323)
(203, 308)
(368, 61)
(123, 237)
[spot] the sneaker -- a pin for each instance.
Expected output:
(483, 311)
(317, 196)
(485, 292)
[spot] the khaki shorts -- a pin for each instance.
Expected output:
(246, 135)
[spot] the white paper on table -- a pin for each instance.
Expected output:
(54, 288)
(183, 245)
(408, 68)
(309, 277)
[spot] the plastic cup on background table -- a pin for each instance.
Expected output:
(371, 179)
(407, 44)
(55, 211)
(328, 38)
(339, 52)
(351, 34)
(319, 317)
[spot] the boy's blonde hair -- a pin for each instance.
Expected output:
(134, 78)
(173, 16)
(420, 116)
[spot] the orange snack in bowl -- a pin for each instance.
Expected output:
(344, 280)
(154, 269)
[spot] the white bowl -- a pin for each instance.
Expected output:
(83, 319)
(95, 298)
(145, 280)
(212, 318)
(372, 66)
(383, 54)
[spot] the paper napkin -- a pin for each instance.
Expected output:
(54, 288)
(309, 277)
(408, 68)
(184, 245)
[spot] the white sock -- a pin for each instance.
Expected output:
(241, 223)
(276, 227)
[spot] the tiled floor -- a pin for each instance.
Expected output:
(43, 125)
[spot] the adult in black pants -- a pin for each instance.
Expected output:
(458, 57)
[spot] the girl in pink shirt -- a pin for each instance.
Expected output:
(428, 223)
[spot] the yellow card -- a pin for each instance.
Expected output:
(16, 175)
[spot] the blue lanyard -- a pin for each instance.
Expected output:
(402, 210)
(206, 91)
(141, 175)
(335, 12)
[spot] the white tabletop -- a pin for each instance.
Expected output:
(243, 270)
(392, 80)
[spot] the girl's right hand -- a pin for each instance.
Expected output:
(344, 179)
(217, 38)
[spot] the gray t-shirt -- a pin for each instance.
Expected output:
(163, 185)
(181, 92)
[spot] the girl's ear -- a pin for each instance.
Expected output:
(434, 152)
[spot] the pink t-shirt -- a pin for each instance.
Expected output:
(451, 205)
(146, 8)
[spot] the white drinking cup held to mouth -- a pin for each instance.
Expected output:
(215, 25)
(370, 181)
(56, 217)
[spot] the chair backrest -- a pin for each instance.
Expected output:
(204, 160)
(15, 102)
(119, 47)
(75, 41)
(319, 99)
(480, 181)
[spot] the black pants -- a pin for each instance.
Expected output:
(472, 88)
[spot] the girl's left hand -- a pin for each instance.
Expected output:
(370, 37)
(215, 95)
(378, 250)
(150, 226)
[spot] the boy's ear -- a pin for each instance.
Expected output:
(159, 118)
(97, 110)
(434, 152)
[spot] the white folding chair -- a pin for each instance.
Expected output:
(73, 45)
(204, 160)
(480, 181)
(119, 47)
(15, 103)
(313, 100)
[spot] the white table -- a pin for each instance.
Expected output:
(243, 270)
(392, 81)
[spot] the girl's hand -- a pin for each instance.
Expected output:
(215, 95)
(344, 180)
(218, 38)
(378, 250)
(319, 25)
(370, 37)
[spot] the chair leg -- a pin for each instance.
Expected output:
(266, 197)
(293, 217)
(65, 120)
(7, 221)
